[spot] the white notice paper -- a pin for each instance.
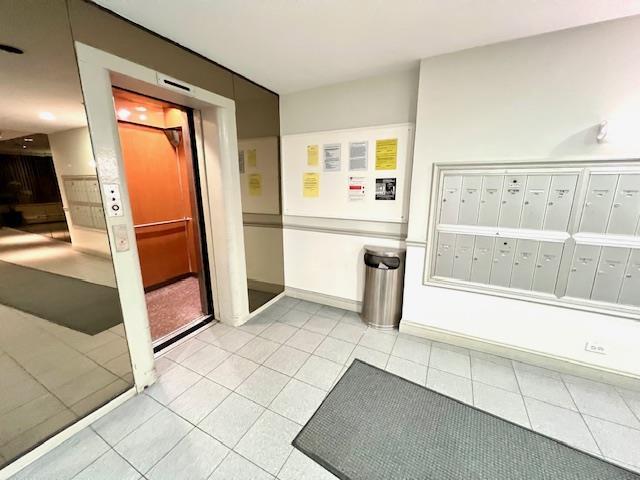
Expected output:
(358, 155)
(331, 157)
(357, 188)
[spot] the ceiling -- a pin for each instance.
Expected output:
(45, 77)
(292, 45)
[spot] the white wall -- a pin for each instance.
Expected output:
(73, 155)
(318, 260)
(380, 100)
(537, 98)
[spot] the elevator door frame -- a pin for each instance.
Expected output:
(219, 179)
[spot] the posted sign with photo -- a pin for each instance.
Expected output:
(385, 188)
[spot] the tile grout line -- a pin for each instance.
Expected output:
(526, 409)
(582, 417)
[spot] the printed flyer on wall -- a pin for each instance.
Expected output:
(331, 157)
(357, 188)
(385, 188)
(312, 155)
(310, 185)
(358, 155)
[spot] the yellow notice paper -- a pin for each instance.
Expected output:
(387, 154)
(255, 184)
(310, 185)
(313, 155)
(252, 157)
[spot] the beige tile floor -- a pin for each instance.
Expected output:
(230, 400)
(51, 375)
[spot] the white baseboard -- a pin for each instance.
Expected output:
(324, 299)
(559, 364)
(67, 433)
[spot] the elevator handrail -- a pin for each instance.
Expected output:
(164, 222)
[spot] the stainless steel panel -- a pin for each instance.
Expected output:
(490, 200)
(610, 273)
(547, 265)
(524, 262)
(470, 200)
(630, 291)
(482, 259)
(450, 203)
(462, 257)
(503, 252)
(560, 202)
(583, 271)
(512, 197)
(597, 206)
(535, 201)
(626, 206)
(444, 254)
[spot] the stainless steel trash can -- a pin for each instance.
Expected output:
(383, 281)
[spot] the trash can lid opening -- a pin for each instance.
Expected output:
(384, 251)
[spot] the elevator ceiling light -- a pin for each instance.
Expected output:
(142, 117)
(141, 109)
(47, 116)
(123, 113)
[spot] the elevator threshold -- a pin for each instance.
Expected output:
(187, 329)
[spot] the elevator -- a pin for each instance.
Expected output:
(156, 140)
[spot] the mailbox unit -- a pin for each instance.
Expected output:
(560, 233)
(84, 201)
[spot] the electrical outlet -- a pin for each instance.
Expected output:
(595, 347)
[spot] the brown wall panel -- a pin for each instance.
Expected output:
(163, 252)
(257, 110)
(158, 189)
(96, 27)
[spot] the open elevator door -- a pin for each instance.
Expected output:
(162, 178)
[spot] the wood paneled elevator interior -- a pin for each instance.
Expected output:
(156, 146)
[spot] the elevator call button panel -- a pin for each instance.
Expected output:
(553, 232)
(113, 200)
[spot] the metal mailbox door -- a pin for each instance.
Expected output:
(490, 200)
(583, 271)
(470, 200)
(626, 206)
(535, 201)
(610, 273)
(512, 197)
(444, 254)
(547, 265)
(630, 291)
(597, 205)
(560, 202)
(502, 261)
(462, 257)
(482, 258)
(450, 199)
(524, 262)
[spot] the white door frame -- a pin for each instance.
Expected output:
(217, 148)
